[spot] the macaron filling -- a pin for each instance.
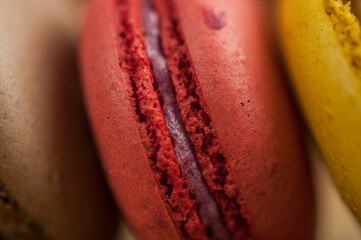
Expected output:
(182, 146)
(348, 31)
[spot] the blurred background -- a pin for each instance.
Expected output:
(334, 220)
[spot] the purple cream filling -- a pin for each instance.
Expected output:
(182, 146)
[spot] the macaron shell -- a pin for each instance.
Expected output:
(48, 167)
(327, 89)
(116, 132)
(246, 102)
(252, 115)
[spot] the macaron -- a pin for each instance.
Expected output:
(194, 126)
(321, 41)
(51, 183)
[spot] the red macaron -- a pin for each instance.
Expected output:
(195, 129)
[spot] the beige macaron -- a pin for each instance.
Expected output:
(51, 185)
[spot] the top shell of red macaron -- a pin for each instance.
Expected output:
(246, 102)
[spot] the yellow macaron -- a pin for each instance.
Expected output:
(321, 41)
